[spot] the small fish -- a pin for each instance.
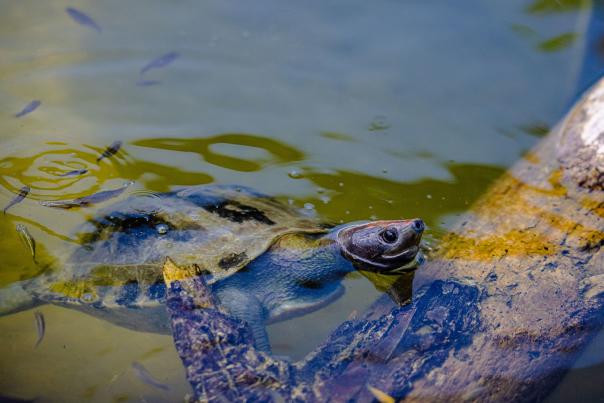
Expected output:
(146, 377)
(380, 396)
(76, 172)
(160, 62)
(86, 200)
(40, 326)
(15, 399)
(147, 83)
(23, 192)
(83, 19)
(29, 108)
(111, 150)
(27, 239)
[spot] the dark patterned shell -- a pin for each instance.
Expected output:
(219, 229)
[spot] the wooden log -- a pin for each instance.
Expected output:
(499, 313)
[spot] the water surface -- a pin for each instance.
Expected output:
(357, 110)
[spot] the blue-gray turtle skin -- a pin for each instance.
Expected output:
(263, 261)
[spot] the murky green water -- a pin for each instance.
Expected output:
(365, 110)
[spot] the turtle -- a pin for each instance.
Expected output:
(265, 261)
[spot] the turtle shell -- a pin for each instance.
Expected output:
(216, 229)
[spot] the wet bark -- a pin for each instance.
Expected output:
(499, 313)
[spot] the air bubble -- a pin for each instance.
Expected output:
(162, 229)
(379, 123)
(295, 174)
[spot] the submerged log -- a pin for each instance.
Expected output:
(499, 313)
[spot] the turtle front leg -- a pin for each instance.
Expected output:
(248, 309)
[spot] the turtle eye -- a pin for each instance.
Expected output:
(389, 235)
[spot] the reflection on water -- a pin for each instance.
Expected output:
(276, 152)
(372, 116)
(558, 42)
(557, 6)
(355, 196)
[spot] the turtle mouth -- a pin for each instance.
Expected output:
(406, 255)
(393, 263)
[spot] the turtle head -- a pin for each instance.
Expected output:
(381, 246)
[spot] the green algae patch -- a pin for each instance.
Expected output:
(524, 221)
(512, 243)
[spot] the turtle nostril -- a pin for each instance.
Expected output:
(418, 225)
